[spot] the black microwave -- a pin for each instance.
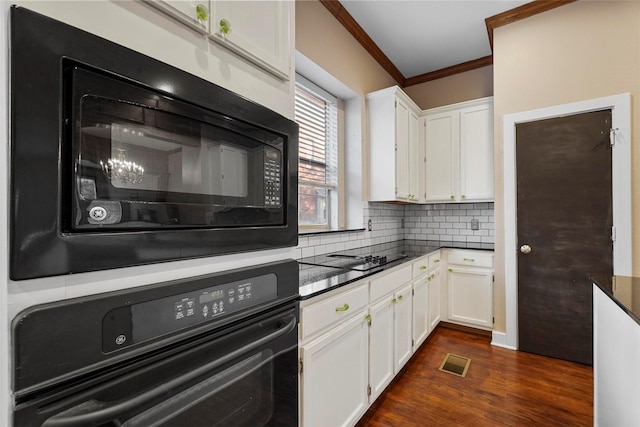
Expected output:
(118, 159)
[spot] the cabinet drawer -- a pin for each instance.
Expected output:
(470, 258)
(324, 313)
(434, 259)
(420, 266)
(425, 263)
(390, 282)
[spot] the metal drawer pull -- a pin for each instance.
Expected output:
(469, 259)
(394, 301)
(423, 267)
(436, 260)
(451, 270)
(345, 307)
(399, 297)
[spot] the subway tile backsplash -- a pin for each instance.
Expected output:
(390, 222)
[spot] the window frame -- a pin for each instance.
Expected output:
(335, 192)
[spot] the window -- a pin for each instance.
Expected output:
(316, 112)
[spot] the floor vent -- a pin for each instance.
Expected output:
(456, 365)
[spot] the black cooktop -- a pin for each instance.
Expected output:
(354, 262)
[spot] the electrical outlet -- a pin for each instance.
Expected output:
(475, 224)
(370, 225)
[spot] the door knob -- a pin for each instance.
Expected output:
(525, 249)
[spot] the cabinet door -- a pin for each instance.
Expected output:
(402, 323)
(334, 377)
(470, 296)
(380, 347)
(186, 11)
(434, 285)
(402, 150)
(415, 158)
(441, 153)
(257, 30)
(476, 153)
(421, 315)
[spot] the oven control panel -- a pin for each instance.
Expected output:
(132, 324)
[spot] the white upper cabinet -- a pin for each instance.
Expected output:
(459, 152)
(258, 31)
(476, 152)
(395, 166)
(441, 153)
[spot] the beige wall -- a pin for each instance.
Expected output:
(322, 39)
(580, 51)
(461, 87)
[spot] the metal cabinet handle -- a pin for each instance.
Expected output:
(452, 197)
(202, 13)
(423, 267)
(464, 197)
(345, 307)
(436, 260)
(225, 27)
(367, 318)
(394, 301)
(399, 297)
(469, 259)
(451, 270)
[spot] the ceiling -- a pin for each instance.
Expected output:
(420, 40)
(424, 36)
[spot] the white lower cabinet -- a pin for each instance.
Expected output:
(434, 284)
(402, 323)
(381, 361)
(470, 288)
(353, 341)
(335, 375)
(421, 316)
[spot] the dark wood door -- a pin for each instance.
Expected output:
(564, 214)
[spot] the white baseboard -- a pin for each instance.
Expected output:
(499, 339)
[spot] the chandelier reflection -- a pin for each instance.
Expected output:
(121, 169)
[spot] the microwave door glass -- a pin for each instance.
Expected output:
(165, 169)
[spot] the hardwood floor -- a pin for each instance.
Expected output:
(502, 388)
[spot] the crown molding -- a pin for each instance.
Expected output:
(449, 71)
(347, 21)
(519, 13)
(525, 11)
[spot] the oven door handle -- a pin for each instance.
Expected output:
(95, 412)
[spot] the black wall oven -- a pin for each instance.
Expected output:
(215, 350)
(118, 159)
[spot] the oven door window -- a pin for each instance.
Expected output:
(149, 161)
(240, 395)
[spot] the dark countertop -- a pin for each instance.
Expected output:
(625, 293)
(315, 280)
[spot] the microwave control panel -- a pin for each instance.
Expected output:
(272, 179)
(136, 323)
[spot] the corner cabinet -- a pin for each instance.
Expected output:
(396, 152)
(459, 152)
(258, 31)
(470, 288)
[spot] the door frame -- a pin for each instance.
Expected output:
(620, 106)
